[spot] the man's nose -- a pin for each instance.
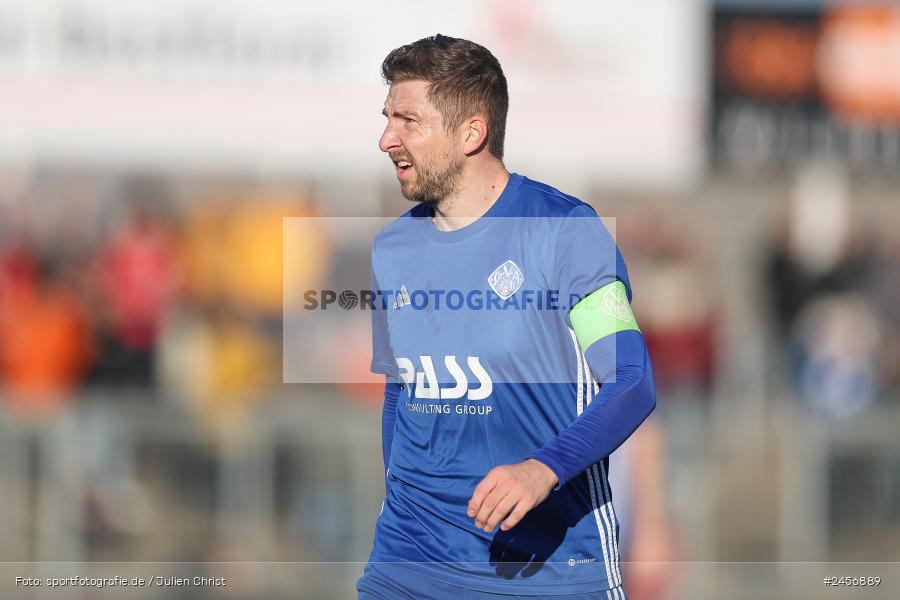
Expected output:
(389, 140)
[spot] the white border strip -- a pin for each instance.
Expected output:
(598, 516)
(603, 485)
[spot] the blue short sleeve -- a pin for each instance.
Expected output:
(382, 353)
(586, 257)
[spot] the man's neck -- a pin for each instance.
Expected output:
(474, 196)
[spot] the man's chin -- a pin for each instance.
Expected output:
(408, 190)
(414, 193)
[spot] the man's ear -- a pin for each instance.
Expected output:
(474, 133)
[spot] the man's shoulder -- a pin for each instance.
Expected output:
(543, 200)
(400, 226)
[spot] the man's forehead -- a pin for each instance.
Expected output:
(408, 95)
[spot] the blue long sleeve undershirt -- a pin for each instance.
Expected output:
(389, 419)
(625, 399)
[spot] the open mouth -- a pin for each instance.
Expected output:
(404, 169)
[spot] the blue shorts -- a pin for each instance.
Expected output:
(407, 585)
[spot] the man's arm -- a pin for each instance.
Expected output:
(625, 399)
(389, 419)
(383, 362)
(616, 353)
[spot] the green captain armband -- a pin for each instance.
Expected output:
(602, 313)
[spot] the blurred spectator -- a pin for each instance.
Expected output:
(820, 275)
(136, 282)
(674, 301)
(798, 272)
(44, 334)
(647, 538)
(219, 366)
(836, 340)
(241, 368)
(18, 269)
(234, 249)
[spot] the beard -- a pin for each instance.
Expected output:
(433, 183)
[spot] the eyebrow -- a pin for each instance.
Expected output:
(397, 113)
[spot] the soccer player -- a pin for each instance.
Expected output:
(503, 399)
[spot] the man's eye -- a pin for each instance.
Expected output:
(408, 120)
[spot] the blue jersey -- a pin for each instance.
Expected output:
(475, 325)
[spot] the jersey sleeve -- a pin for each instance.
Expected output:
(586, 257)
(382, 353)
(593, 282)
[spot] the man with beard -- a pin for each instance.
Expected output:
(511, 500)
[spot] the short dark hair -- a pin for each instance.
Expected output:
(463, 77)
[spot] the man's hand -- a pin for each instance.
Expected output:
(517, 488)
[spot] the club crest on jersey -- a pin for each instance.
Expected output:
(506, 279)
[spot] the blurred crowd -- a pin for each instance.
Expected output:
(123, 283)
(832, 278)
(823, 277)
(174, 288)
(139, 281)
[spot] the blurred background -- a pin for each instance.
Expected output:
(150, 152)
